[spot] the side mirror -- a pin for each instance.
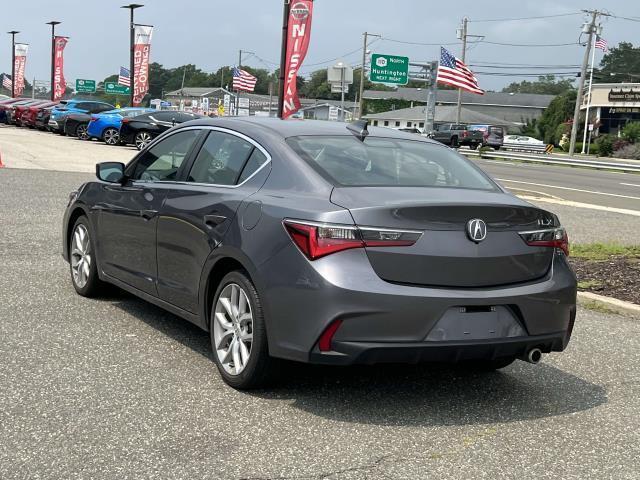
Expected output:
(173, 122)
(112, 172)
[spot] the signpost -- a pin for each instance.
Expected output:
(85, 86)
(112, 88)
(389, 69)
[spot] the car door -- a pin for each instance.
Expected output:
(441, 134)
(198, 213)
(128, 213)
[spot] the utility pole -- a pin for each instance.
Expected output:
(430, 108)
(586, 116)
(13, 62)
(589, 28)
(362, 76)
(132, 42)
(53, 24)
(462, 35)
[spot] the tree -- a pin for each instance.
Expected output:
(556, 117)
(620, 64)
(546, 84)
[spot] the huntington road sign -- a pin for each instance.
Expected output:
(115, 89)
(389, 69)
(85, 86)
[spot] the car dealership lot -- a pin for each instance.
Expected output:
(116, 388)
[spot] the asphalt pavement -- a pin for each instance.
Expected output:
(114, 388)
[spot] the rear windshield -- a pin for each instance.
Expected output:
(346, 161)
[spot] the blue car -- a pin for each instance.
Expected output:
(106, 126)
(58, 114)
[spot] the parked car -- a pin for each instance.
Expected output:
(28, 117)
(42, 118)
(493, 135)
(58, 114)
(20, 111)
(140, 130)
(455, 135)
(521, 140)
(271, 235)
(106, 126)
(6, 105)
(76, 124)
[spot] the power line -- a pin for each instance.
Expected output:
(528, 44)
(486, 62)
(405, 42)
(525, 18)
(532, 67)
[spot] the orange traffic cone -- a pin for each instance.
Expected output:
(1, 164)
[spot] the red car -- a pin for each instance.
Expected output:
(14, 115)
(28, 117)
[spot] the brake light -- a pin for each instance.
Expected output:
(94, 118)
(317, 240)
(465, 134)
(551, 237)
(126, 120)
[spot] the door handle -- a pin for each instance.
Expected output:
(214, 220)
(148, 214)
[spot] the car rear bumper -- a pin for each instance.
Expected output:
(387, 322)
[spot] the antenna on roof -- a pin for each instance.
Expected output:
(359, 129)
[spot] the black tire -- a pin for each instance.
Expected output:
(259, 368)
(473, 146)
(111, 136)
(491, 365)
(497, 147)
(81, 131)
(93, 284)
(454, 142)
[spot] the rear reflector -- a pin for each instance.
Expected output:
(324, 344)
(316, 240)
(551, 237)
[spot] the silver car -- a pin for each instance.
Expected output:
(325, 243)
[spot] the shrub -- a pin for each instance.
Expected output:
(630, 151)
(631, 132)
(605, 145)
(619, 143)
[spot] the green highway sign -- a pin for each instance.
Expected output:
(389, 69)
(115, 89)
(85, 86)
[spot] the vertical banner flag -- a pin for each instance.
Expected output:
(298, 37)
(141, 53)
(59, 84)
(21, 61)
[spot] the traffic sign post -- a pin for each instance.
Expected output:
(113, 88)
(85, 86)
(389, 69)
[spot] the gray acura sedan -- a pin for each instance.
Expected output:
(326, 243)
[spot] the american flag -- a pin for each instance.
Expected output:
(452, 71)
(243, 80)
(124, 77)
(601, 43)
(6, 82)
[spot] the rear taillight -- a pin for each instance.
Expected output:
(551, 237)
(465, 134)
(316, 240)
(324, 343)
(126, 120)
(94, 118)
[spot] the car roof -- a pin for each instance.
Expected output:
(294, 128)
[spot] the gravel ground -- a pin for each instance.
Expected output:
(116, 388)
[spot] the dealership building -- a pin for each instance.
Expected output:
(612, 106)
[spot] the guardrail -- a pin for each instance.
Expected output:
(550, 160)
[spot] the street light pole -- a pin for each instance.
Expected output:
(53, 24)
(463, 37)
(362, 76)
(13, 62)
(132, 41)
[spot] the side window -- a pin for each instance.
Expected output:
(83, 106)
(397, 124)
(101, 107)
(386, 123)
(161, 162)
(221, 160)
(256, 160)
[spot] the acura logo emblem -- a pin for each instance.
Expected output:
(477, 230)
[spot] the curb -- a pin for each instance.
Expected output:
(619, 306)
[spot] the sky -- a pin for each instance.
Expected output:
(209, 33)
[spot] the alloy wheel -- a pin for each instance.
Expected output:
(233, 329)
(111, 136)
(80, 256)
(81, 132)
(142, 140)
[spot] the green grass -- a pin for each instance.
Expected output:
(586, 284)
(602, 251)
(598, 307)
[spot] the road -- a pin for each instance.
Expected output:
(115, 388)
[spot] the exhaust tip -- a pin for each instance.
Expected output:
(534, 356)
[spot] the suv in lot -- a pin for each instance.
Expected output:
(58, 114)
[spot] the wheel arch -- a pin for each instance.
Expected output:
(76, 213)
